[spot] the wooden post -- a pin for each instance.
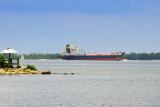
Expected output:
(17, 62)
(9, 62)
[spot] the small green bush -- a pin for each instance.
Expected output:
(1, 61)
(31, 67)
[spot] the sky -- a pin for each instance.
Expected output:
(46, 26)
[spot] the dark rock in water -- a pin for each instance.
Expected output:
(46, 72)
(68, 73)
(72, 73)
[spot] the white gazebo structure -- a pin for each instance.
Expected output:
(9, 51)
(11, 60)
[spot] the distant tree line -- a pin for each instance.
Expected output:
(129, 56)
(41, 56)
(142, 56)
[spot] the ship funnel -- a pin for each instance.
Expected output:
(68, 50)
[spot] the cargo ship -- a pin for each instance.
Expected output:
(72, 53)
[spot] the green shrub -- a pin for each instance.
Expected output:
(1, 61)
(31, 67)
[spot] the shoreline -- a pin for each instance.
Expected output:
(20, 71)
(17, 71)
(24, 71)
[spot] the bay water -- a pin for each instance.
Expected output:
(94, 84)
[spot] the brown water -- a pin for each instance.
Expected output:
(95, 84)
